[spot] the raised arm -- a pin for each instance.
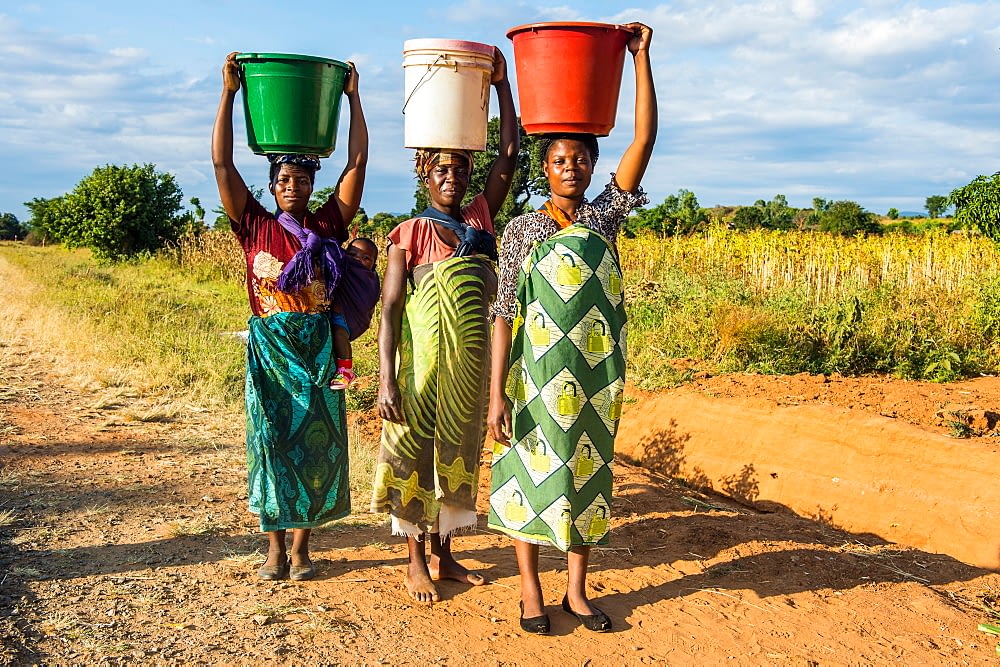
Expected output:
(352, 180)
(232, 189)
(501, 175)
(636, 157)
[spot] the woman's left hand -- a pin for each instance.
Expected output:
(498, 419)
(351, 82)
(642, 35)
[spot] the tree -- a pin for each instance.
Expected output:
(748, 217)
(977, 205)
(847, 218)
(193, 222)
(775, 214)
(50, 219)
(936, 205)
(10, 228)
(382, 223)
(121, 212)
(893, 214)
(678, 214)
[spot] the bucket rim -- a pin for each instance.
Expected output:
(431, 43)
(254, 56)
(564, 24)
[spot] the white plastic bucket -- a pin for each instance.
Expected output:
(446, 93)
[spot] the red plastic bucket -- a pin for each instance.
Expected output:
(569, 75)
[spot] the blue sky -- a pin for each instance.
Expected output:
(882, 103)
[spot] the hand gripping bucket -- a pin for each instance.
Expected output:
(569, 75)
(446, 86)
(291, 103)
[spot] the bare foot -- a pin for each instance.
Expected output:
(419, 584)
(448, 568)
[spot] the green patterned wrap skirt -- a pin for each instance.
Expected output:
(297, 467)
(566, 381)
(427, 474)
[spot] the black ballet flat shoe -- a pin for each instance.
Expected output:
(273, 572)
(599, 622)
(536, 625)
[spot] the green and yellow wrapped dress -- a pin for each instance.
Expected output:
(427, 475)
(561, 290)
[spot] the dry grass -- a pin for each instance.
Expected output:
(822, 264)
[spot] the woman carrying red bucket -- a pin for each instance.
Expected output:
(558, 365)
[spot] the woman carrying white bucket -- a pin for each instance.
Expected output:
(434, 346)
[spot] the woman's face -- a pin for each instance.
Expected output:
(292, 189)
(568, 168)
(447, 184)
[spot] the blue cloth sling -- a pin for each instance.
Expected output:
(470, 239)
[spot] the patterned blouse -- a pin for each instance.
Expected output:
(604, 215)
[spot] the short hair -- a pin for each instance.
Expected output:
(589, 140)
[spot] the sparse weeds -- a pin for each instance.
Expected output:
(961, 424)
(9, 480)
(196, 527)
(25, 572)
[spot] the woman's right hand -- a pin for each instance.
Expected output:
(498, 419)
(231, 73)
(499, 67)
(390, 402)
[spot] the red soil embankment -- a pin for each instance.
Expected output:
(896, 477)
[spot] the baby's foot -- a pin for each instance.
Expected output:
(343, 379)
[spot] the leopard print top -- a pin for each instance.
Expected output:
(604, 215)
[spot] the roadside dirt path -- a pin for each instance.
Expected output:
(125, 539)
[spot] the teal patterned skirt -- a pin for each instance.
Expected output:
(297, 467)
(566, 381)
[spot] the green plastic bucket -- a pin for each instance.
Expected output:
(291, 103)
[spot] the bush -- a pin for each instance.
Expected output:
(10, 228)
(117, 212)
(847, 218)
(977, 205)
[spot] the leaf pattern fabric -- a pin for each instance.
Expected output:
(432, 459)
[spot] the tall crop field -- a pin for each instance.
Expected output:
(923, 306)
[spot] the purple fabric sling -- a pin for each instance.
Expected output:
(357, 295)
(299, 271)
(349, 283)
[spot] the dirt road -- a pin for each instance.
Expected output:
(124, 539)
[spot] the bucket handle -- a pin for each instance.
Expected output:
(424, 77)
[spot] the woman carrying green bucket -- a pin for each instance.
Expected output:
(558, 366)
(296, 425)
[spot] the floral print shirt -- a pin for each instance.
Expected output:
(604, 215)
(268, 247)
